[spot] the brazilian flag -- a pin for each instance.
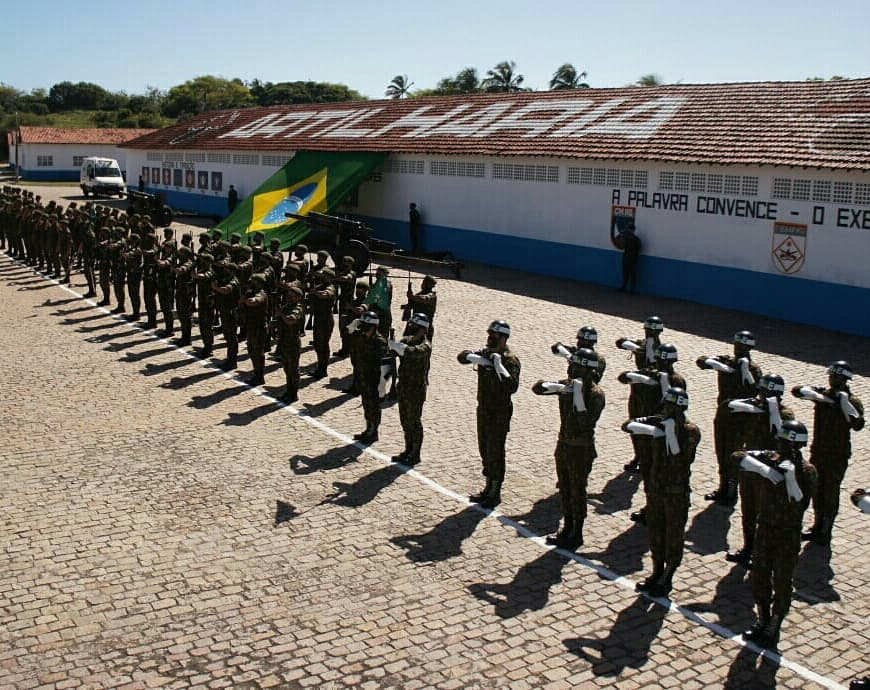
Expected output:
(310, 181)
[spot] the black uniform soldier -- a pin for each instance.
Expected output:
(644, 350)
(581, 402)
(227, 292)
(322, 297)
(631, 247)
(838, 412)
(256, 309)
(370, 352)
(760, 420)
(290, 320)
(166, 281)
(587, 337)
(674, 441)
(788, 482)
(203, 276)
(737, 378)
(425, 301)
(133, 261)
(184, 289)
(498, 377)
(414, 351)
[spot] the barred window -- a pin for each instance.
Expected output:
(456, 169)
(246, 159)
(666, 180)
(77, 161)
(781, 188)
(195, 157)
(525, 173)
(749, 186)
(626, 178)
(275, 161)
(173, 157)
(801, 190)
(714, 184)
(585, 175)
(640, 178)
(612, 178)
(154, 156)
(862, 193)
(44, 161)
(842, 192)
(574, 175)
(681, 182)
(732, 184)
(699, 182)
(220, 158)
(599, 176)
(821, 190)
(404, 167)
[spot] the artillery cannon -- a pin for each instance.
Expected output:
(151, 205)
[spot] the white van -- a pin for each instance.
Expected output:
(101, 176)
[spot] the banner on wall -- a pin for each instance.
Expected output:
(310, 181)
(789, 246)
(620, 216)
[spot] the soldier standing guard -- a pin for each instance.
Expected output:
(425, 301)
(761, 419)
(227, 291)
(644, 350)
(370, 352)
(290, 321)
(498, 377)
(256, 309)
(133, 260)
(184, 289)
(415, 351)
(322, 297)
(166, 282)
(674, 441)
(345, 281)
(737, 378)
(203, 275)
(118, 268)
(149, 278)
(838, 412)
(787, 485)
(581, 402)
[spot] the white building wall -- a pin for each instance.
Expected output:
(63, 158)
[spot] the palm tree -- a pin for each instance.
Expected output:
(649, 80)
(399, 86)
(567, 77)
(502, 78)
(467, 81)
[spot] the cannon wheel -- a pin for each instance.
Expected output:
(359, 252)
(162, 216)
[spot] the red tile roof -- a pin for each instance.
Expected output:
(820, 124)
(80, 135)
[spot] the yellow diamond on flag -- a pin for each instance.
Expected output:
(300, 198)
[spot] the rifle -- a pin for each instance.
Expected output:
(407, 308)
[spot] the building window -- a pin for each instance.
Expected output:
(154, 156)
(641, 178)
(714, 184)
(404, 167)
(599, 176)
(246, 159)
(699, 182)
(801, 190)
(666, 180)
(749, 186)
(626, 178)
(525, 173)
(220, 158)
(732, 184)
(44, 161)
(275, 161)
(194, 157)
(613, 178)
(842, 193)
(574, 175)
(681, 182)
(862, 193)
(781, 188)
(77, 161)
(456, 169)
(821, 190)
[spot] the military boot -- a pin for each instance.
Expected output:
(662, 587)
(414, 455)
(756, 631)
(822, 536)
(730, 497)
(478, 498)
(639, 516)
(718, 493)
(493, 498)
(573, 538)
(563, 534)
(658, 571)
(257, 378)
(742, 556)
(769, 637)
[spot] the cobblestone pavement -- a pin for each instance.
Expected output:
(165, 525)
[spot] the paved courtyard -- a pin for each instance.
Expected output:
(163, 524)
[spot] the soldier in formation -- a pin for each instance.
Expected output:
(414, 351)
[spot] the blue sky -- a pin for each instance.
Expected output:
(128, 46)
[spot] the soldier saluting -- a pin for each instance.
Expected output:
(581, 402)
(498, 377)
(414, 351)
(587, 337)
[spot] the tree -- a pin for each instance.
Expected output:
(503, 78)
(398, 87)
(649, 80)
(205, 93)
(567, 77)
(82, 96)
(289, 92)
(9, 97)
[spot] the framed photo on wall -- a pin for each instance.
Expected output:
(176, 177)
(189, 179)
(217, 181)
(155, 175)
(167, 176)
(202, 179)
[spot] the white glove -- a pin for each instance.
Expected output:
(353, 326)
(671, 441)
(743, 406)
(791, 485)
(499, 367)
(386, 377)
(718, 366)
(637, 377)
(579, 403)
(479, 360)
(562, 350)
(630, 345)
(773, 413)
(397, 347)
(551, 387)
(808, 393)
(847, 407)
(641, 429)
(745, 374)
(664, 382)
(650, 351)
(751, 464)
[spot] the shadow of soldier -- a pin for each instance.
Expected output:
(333, 459)
(751, 670)
(249, 416)
(813, 575)
(530, 588)
(624, 554)
(708, 532)
(364, 489)
(444, 540)
(732, 601)
(617, 494)
(179, 382)
(544, 517)
(628, 642)
(284, 512)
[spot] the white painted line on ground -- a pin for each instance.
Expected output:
(606, 573)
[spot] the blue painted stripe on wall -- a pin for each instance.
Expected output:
(191, 201)
(828, 305)
(49, 175)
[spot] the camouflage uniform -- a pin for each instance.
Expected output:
(321, 300)
(203, 275)
(425, 302)
(371, 350)
(255, 309)
(119, 271)
(166, 284)
(411, 388)
(290, 322)
(149, 279)
(228, 305)
(184, 289)
(133, 267)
